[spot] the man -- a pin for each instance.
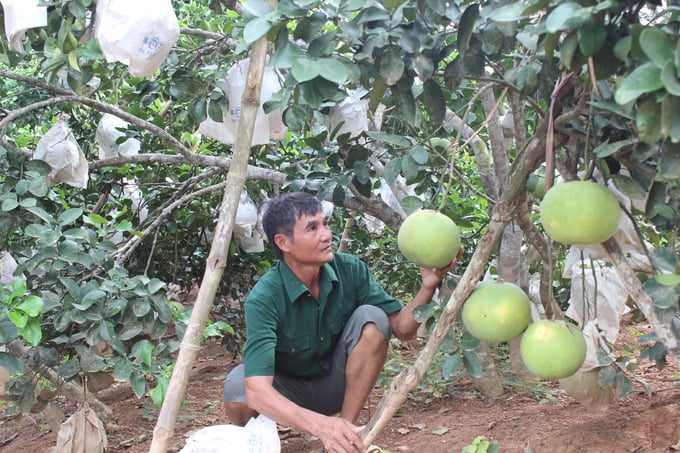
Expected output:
(317, 327)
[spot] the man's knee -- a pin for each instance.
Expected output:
(234, 387)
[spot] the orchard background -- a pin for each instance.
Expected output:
(380, 108)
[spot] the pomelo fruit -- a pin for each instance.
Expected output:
(553, 349)
(496, 311)
(580, 212)
(429, 238)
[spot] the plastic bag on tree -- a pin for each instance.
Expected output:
(139, 34)
(7, 267)
(107, 136)
(20, 15)
(61, 151)
(258, 436)
(351, 115)
(249, 239)
(268, 126)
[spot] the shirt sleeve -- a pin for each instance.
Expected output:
(259, 350)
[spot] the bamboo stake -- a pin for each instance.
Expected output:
(217, 259)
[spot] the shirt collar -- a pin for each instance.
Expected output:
(294, 288)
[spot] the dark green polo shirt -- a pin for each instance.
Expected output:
(291, 332)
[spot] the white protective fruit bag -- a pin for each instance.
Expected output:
(107, 135)
(62, 152)
(268, 126)
(20, 15)
(137, 33)
(258, 436)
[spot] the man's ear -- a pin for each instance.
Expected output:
(282, 242)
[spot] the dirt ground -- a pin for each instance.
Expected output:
(518, 423)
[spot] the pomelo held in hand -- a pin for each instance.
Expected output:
(496, 312)
(429, 238)
(580, 212)
(553, 349)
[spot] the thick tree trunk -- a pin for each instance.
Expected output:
(217, 259)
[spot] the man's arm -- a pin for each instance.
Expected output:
(404, 325)
(337, 434)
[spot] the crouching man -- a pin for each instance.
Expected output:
(317, 327)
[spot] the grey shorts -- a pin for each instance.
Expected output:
(322, 394)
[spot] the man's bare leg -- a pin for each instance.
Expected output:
(364, 364)
(239, 413)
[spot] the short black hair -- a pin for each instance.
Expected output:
(281, 213)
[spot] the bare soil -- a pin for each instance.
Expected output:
(518, 422)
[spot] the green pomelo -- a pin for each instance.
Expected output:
(496, 311)
(553, 349)
(429, 238)
(580, 212)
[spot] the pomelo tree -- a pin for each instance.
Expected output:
(586, 89)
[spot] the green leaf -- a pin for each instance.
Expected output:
(69, 216)
(669, 166)
(32, 332)
(255, 8)
(648, 121)
(143, 350)
(466, 25)
(472, 364)
(392, 170)
(123, 370)
(419, 154)
(10, 363)
(591, 37)
(391, 66)
(41, 214)
(32, 305)
(451, 365)
(18, 317)
(669, 79)
(333, 70)
(607, 149)
(9, 204)
(138, 384)
(646, 78)
(512, 12)
(256, 28)
(304, 69)
(90, 298)
(657, 46)
(629, 186)
(398, 141)
(89, 361)
(411, 203)
(157, 394)
(670, 117)
(566, 15)
(130, 330)
(664, 260)
(434, 102)
(140, 307)
(668, 279)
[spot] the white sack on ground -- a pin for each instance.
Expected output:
(107, 134)
(61, 151)
(20, 15)
(258, 436)
(139, 34)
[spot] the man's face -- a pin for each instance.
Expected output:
(311, 241)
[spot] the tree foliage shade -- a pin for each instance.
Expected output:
(595, 84)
